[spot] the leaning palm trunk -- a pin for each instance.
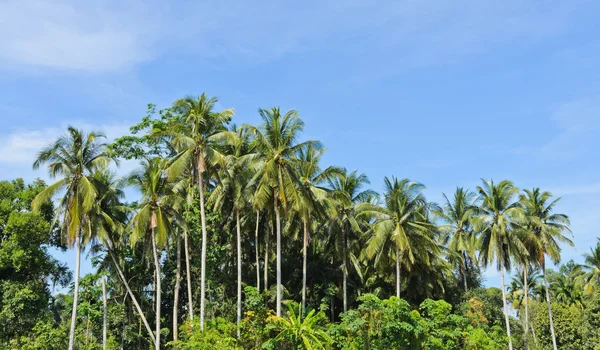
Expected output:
(304, 263)
(176, 291)
(549, 306)
(105, 313)
(505, 308)
(278, 264)
(257, 252)
(188, 274)
(75, 291)
(131, 295)
(526, 292)
(157, 289)
(344, 271)
(239, 271)
(204, 238)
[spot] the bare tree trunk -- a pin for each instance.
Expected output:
(510, 347)
(188, 274)
(239, 272)
(344, 271)
(157, 288)
(105, 315)
(257, 252)
(176, 291)
(526, 296)
(278, 224)
(304, 264)
(203, 254)
(549, 306)
(534, 336)
(398, 271)
(75, 290)
(132, 296)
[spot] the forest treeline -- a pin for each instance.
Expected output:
(242, 239)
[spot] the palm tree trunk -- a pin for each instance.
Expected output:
(549, 306)
(203, 254)
(526, 295)
(398, 271)
(176, 291)
(344, 271)
(239, 272)
(156, 289)
(132, 296)
(267, 244)
(105, 315)
(257, 252)
(278, 224)
(464, 272)
(75, 291)
(510, 347)
(304, 264)
(188, 274)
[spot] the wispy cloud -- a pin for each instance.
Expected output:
(111, 35)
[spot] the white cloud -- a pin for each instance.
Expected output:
(109, 35)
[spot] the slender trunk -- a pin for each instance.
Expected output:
(157, 289)
(239, 272)
(510, 347)
(398, 271)
(203, 254)
(267, 246)
(278, 223)
(257, 252)
(188, 274)
(344, 272)
(75, 290)
(526, 296)
(549, 306)
(177, 286)
(304, 264)
(534, 336)
(105, 316)
(133, 299)
(464, 272)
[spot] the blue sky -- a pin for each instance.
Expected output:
(444, 92)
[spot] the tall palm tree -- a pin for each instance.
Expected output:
(343, 226)
(592, 265)
(402, 228)
(313, 198)
(194, 139)
(236, 186)
(457, 216)
(498, 220)
(73, 157)
(156, 208)
(277, 142)
(544, 232)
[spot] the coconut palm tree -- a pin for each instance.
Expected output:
(457, 216)
(158, 205)
(236, 186)
(313, 198)
(343, 226)
(592, 265)
(402, 228)
(74, 158)
(498, 219)
(194, 139)
(544, 231)
(276, 140)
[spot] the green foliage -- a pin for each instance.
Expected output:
(219, 334)
(568, 325)
(297, 332)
